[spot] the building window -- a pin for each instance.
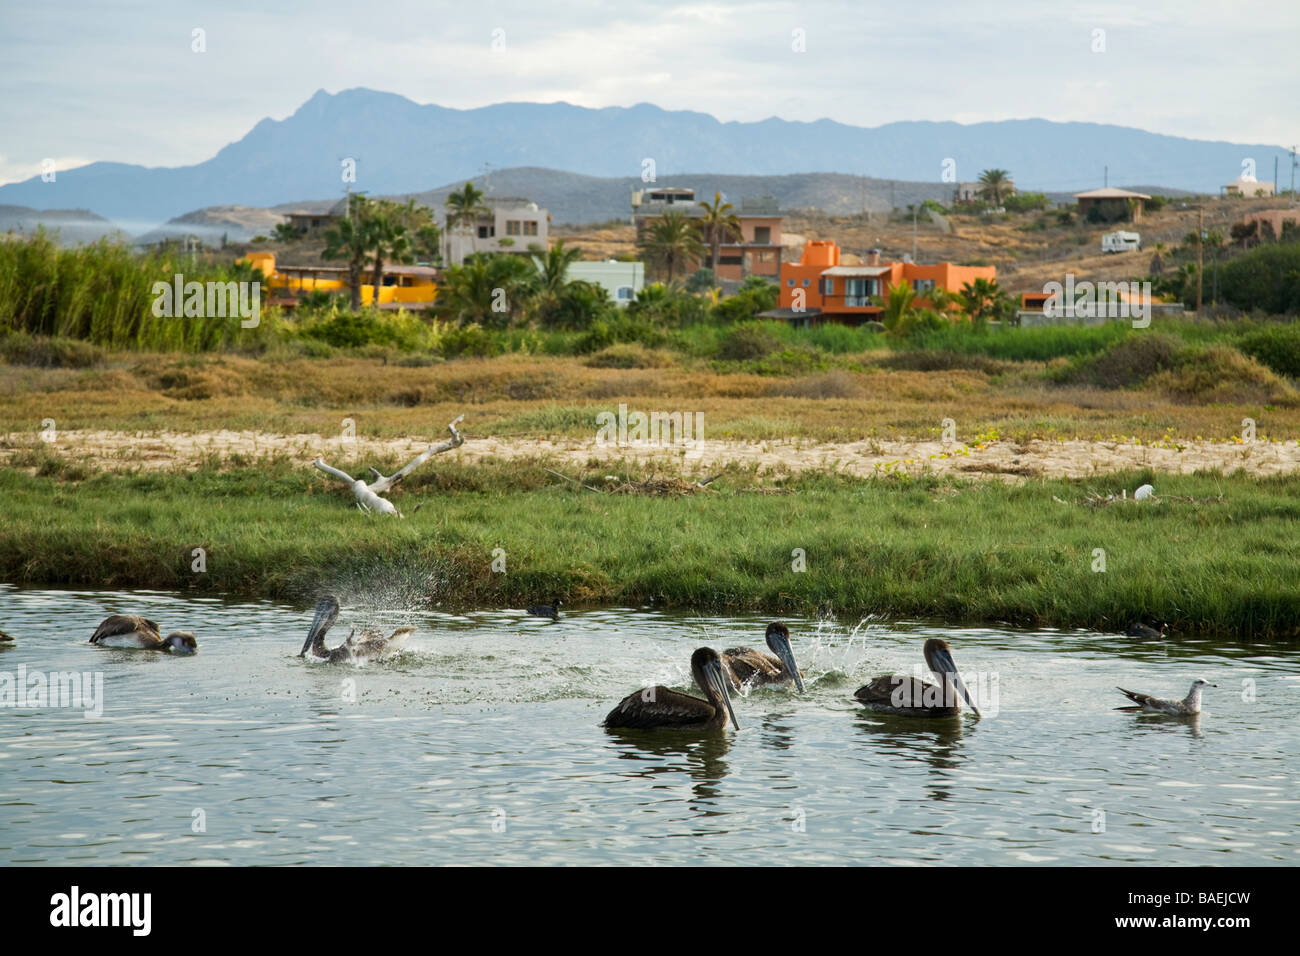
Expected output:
(733, 261)
(790, 283)
(766, 255)
(806, 283)
(514, 227)
(922, 285)
(828, 286)
(763, 235)
(530, 228)
(487, 232)
(624, 293)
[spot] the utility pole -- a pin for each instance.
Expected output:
(1200, 258)
(1293, 163)
(915, 210)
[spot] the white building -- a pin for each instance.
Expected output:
(510, 225)
(622, 280)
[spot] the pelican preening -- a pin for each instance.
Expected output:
(913, 697)
(1138, 629)
(369, 645)
(133, 631)
(661, 707)
(1189, 706)
(744, 665)
(551, 610)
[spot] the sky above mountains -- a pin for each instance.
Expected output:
(134, 82)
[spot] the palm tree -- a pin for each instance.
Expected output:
(898, 307)
(720, 225)
(388, 239)
(983, 300)
(553, 265)
(488, 289)
(671, 241)
(464, 206)
(350, 239)
(995, 184)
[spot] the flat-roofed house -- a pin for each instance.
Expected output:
(1249, 188)
(818, 288)
(757, 252)
(510, 224)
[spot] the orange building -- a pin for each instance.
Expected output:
(818, 289)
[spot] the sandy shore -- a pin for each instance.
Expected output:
(111, 450)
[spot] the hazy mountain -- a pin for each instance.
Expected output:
(72, 225)
(215, 224)
(402, 147)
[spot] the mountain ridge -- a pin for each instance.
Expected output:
(401, 146)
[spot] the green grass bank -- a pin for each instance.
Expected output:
(1216, 555)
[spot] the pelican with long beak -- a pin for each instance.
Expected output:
(1189, 706)
(369, 645)
(661, 707)
(746, 666)
(913, 697)
(133, 631)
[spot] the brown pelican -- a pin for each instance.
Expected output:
(130, 630)
(1189, 706)
(744, 665)
(551, 610)
(662, 707)
(913, 697)
(5, 638)
(1138, 629)
(369, 645)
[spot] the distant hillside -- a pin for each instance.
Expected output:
(72, 225)
(212, 225)
(572, 198)
(400, 147)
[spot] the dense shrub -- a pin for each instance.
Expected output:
(1128, 362)
(1277, 346)
(747, 343)
(1267, 278)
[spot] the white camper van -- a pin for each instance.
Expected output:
(1121, 242)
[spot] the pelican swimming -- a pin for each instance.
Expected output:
(551, 610)
(369, 645)
(913, 697)
(661, 707)
(1189, 706)
(1138, 629)
(744, 665)
(133, 631)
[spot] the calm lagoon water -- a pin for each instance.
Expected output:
(481, 744)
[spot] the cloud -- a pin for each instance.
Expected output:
(119, 80)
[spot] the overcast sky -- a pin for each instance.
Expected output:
(119, 80)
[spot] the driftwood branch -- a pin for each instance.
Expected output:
(368, 495)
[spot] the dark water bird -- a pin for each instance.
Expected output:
(661, 707)
(369, 645)
(5, 638)
(133, 631)
(1189, 706)
(1140, 630)
(913, 697)
(547, 610)
(745, 665)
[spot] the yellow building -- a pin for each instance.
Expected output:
(403, 287)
